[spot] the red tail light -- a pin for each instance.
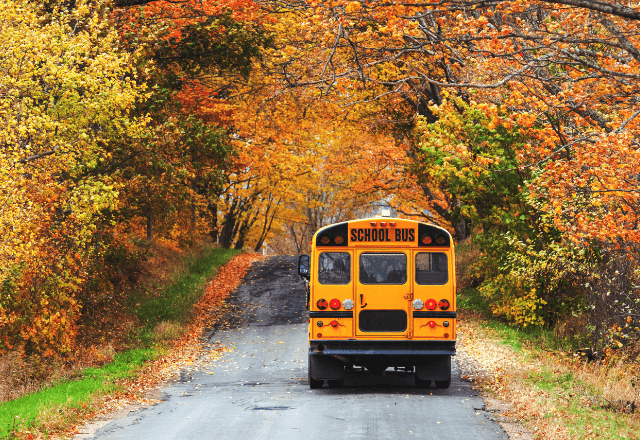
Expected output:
(443, 304)
(334, 324)
(383, 223)
(431, 324)
(335, 304)
(392, 223)
(427, 239)
(431, 304)
(322, 304)
(373, 223)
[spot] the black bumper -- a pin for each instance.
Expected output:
(388, 348)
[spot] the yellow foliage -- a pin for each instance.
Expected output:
(512, 299)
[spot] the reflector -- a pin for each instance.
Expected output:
(319, 335)
(446, 335)
(335, 304)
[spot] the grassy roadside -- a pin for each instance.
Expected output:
(163, 317)
(554, 394)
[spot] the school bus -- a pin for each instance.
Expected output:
(381, 294)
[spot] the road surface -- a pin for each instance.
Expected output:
(259, 389)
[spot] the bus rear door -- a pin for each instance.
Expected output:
(383, 293)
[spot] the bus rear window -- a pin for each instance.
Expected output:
(334, 268)
(432, 268)
(383, 268)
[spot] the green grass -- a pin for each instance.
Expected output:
(576, 407)
(173, 304)
(515, 337)
(24, 412)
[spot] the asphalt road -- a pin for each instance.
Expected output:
(259, 389)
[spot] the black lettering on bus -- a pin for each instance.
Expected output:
(367, 235)
(398, 235)
(405, 234)
(374, 235)
(354, 235)
(412, 235)
(360, 234)
(387, 235)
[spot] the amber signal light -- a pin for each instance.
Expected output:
(440, 239)
(338, 239)
(325, 239)
(443, 304)
(322, 304)
(427, 239)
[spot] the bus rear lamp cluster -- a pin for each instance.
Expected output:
(347, 304)
(431, 304)
(335, 304)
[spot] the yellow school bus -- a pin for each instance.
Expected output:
(381, 294)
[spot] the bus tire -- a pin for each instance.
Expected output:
(442, 384)
(337, 383)
(420, 383)
(315, 383)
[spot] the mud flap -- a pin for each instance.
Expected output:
(325, 367)
(434, 368)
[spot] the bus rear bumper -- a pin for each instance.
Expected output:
(381, 348)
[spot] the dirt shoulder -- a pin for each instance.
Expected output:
(550, 395)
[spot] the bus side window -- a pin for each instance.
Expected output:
(334, 268)
(432, 268)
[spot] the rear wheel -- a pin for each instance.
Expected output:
(315, 383)
(443, 383)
